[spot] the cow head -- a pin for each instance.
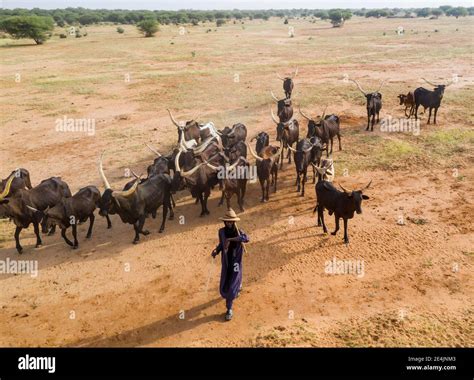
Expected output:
(356, 197)
(263, 140)
(402, 99)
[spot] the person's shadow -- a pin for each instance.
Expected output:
(156, 330)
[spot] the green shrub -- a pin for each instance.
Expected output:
(37, 28)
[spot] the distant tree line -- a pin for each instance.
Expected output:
(83, 16)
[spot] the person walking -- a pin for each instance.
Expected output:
(231, 246)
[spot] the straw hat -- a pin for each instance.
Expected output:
(230, 216)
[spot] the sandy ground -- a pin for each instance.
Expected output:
(417, 284)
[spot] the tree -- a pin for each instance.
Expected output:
(458, 11)
(323, 15)
(423, 12)
(338, 17)
(38, 28)
(148, 27)
(436, 12)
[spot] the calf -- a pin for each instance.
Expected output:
(342, 203)
(408, 101)
(234, 181)
(69, 212)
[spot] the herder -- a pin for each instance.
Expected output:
(231, 245)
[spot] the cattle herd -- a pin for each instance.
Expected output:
(201, 155)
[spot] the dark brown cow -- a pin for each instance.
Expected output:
(408, 101)
(288, 83)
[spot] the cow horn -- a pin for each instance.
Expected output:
(292, 149)
(6, 190)
(258, 158)
(179, 125)
(324, 113)
(212, 166)
(273, 96)
(302, 114)
(366, 187)
(102, 174)
(358, 86)
(434, 85)
(153, 150)
(279, 77)
(346, 191)
(273, 117)
(203, 146)
(295, 74)
(135, 175)
(381, 84)
(127, 193)
(234, 165)
(308, 149)
(183, 173)
(32, 208)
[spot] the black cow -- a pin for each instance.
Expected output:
(326, 128)
(192, 171)
(342, 203)
(47, 194)
(267, 166)
(408, 101)
(21, 180)
(284, 108)
(288, 134)
(374, 104)
(429, 99)
(231, 136)
(69, 212)
(288, 83)
(136, 202)
(308, 151)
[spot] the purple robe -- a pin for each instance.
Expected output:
(231, 277)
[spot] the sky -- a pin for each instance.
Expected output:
(229, 4)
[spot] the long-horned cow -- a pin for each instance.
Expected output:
(267, 166)
(287, 134)
(326, 128)
(284, 108)
(135, 203)
(430, 98)
(288, 83)
(47, 194)
(373, 105)
(308, 151)
(69, 212)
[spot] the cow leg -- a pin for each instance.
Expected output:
(435, 112)
(262, 186)
(52, 230)
(170, 207)
(289, 155)
(63, 234)
(207, 193)
(267, 188)
(109, 223)
(163, 221)
(141, 223)
(373, 122)
(74, 235)
(298, 180)
(172, 200)
(416, 111)
(336, 218)
(44, 226)
(19, 248)
(429, 116)
(368, 120)
(321, 218)
(339, 138)
(240, 200)
(37, 233)
(304, 181)
(332, 140)
(222, 199)
(281, 157)
(346, 237)
(276, 179)
(137, 235)
(91, 224)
